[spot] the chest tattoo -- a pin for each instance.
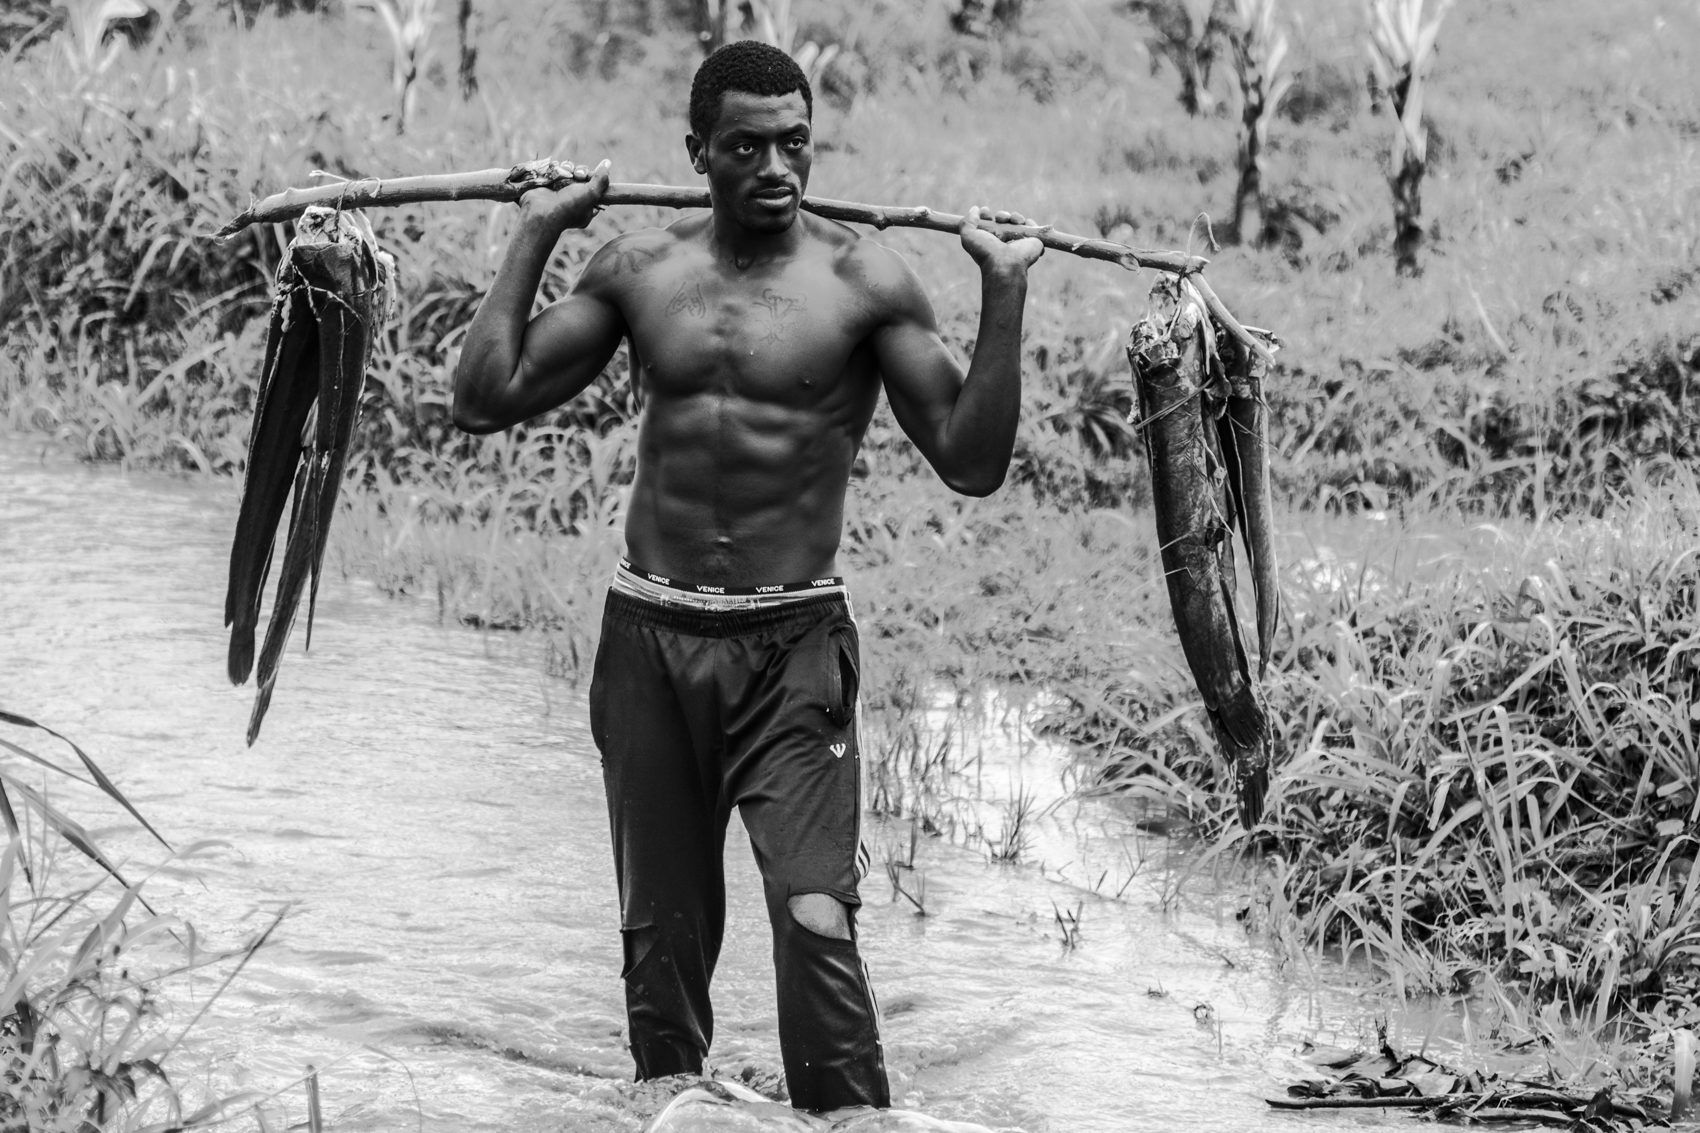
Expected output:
(688, 300)
(775, 318)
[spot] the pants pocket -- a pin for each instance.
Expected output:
(844, 674)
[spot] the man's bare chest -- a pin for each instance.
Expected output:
(784, 336)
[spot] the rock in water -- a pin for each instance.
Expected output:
(902, 1121)
(727, 1107)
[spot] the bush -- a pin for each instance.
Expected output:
(1491, 762)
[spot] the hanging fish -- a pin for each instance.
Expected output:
(1184, 398)
(1243, 431)
(334, 291)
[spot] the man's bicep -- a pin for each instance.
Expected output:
(566, 345)
(921, 376)
(575, 333)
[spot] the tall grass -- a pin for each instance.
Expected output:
(1493, 780)
(90, 973)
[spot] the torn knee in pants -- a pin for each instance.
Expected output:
(822, 914)
(636, 941)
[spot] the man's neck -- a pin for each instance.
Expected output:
(732, 243)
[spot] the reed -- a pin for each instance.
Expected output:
(86, 1041)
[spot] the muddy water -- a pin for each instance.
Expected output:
(428, 808)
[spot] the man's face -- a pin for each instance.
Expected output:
(757, 157)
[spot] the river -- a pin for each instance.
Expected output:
(428, 807)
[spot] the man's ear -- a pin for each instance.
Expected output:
(698, 152)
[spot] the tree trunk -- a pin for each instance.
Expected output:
(467, 19)
(1248, 195)
(1195, 82)
(1410, 156)
(1407, 186)
(407, 73)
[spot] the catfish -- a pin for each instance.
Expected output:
(334, 293)
(1178, 378)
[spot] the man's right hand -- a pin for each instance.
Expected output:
(988, 248)
(570, 206)
(512, 366)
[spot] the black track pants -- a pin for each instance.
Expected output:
(695, 713)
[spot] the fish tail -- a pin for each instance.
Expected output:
(262, 701)
(284, 605)
(240, 662)
(1253, 793)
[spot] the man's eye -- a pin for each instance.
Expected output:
(744, 150)
(797, 143)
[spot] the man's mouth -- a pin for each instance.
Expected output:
(778, 195)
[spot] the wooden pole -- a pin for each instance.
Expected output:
(510, 184)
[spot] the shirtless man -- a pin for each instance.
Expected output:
(728, 667)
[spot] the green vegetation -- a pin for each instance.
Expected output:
(90, 976)
(1486, 692)
(1491, 764)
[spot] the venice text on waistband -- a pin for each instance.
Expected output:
(641, 583)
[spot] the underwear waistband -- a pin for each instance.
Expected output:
(636, 582)
(725, 621)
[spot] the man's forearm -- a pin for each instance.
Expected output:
(491, 352)
(980, 437)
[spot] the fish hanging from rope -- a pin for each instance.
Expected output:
(335, 289)
(1206, 430)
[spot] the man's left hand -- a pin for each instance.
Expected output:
(980, 240)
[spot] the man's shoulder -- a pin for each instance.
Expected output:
(633, 252)
(868, 266)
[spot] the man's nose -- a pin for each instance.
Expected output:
(773, 164)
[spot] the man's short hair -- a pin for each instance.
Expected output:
(747, 65)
